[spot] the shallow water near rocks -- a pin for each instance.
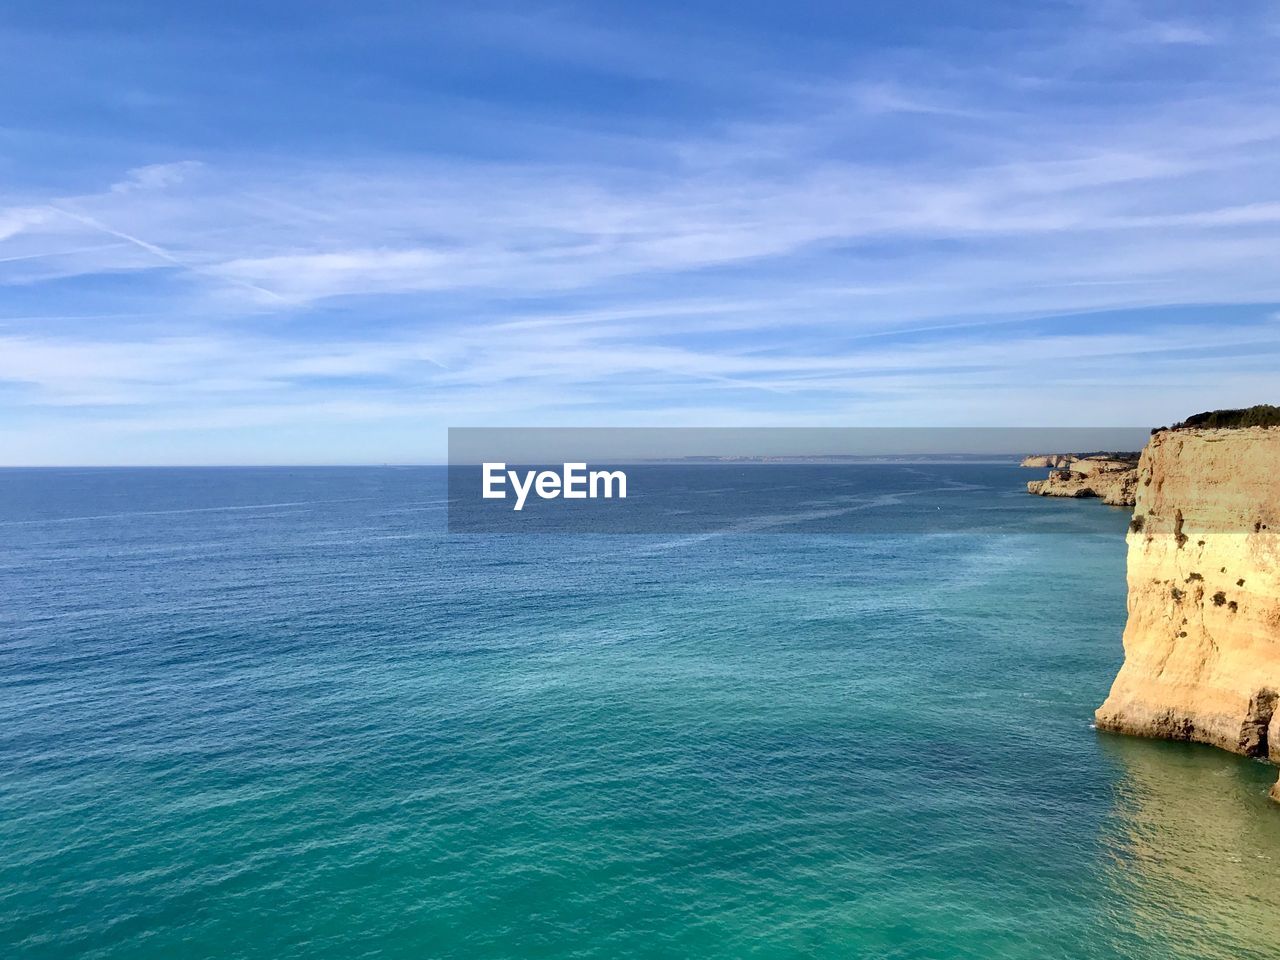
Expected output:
(280, 713)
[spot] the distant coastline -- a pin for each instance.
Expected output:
(843, 458)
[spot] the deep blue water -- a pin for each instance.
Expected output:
(281, 713)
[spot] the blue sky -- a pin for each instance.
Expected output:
(325, 232)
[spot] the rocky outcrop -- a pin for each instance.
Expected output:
(1054, 461)
(1111, 477)
(1202, 641)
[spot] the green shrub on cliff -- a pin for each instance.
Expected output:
(1262, 415)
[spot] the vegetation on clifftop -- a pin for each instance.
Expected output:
(1262, 415)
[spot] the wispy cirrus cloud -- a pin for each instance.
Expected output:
(912, 226)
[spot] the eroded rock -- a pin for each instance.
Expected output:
(1202, 640)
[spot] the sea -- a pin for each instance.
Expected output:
(286, 713)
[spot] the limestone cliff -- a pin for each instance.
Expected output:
(1202, 641)
(1112, 477)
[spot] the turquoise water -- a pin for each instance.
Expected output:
(279, 713)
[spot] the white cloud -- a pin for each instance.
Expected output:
(766, 255)
(156, 176)
(1173, 32)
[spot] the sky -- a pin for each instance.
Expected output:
(326, 232)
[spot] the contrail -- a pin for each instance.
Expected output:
(163, 254)
(58, 253)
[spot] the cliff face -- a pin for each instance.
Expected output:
(1114, 479)
(1202, 642)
